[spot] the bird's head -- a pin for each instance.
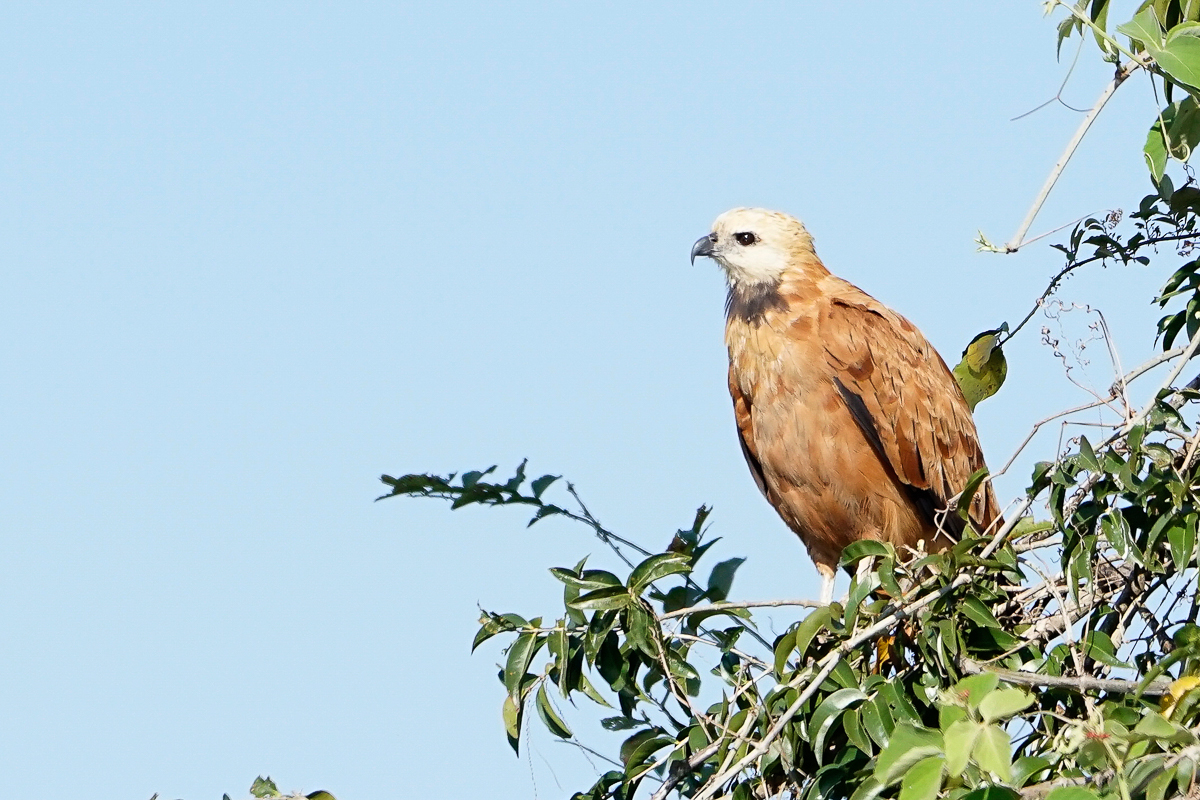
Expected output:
(755, 246)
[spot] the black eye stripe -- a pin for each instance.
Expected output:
(745, 238)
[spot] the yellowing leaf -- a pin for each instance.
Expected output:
(983, 368)
(1176, 691)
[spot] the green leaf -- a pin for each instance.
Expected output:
(993, 752)
(973, 689)
(539, 485)
(827, 713)
(551, 718)
(488, 628)
(720, 580)
(873, 723)
(320, 795)
(1182, 539)
(1185, 28)
(908, 745)
(1026, 767)
(991, 793)
(611, 597)
(547, 510)
(868, 790)
(809, 627)
(960, 742)
(637, 748)
(856, 551)
(949, 714)
(1180, 59)
(1069, 25)
(264, 787)
(887, 577)
(588, 689)
(520, 653)
(852, 725)
(1187, 636)
(897, 698)
(1087, 456)
(1174, 134)
(567, 662)
(1040, 479)
(511, 712)
(1154, 726)
(977, 612)
(1071, 793)
(587, 580)
(1157, 788)
(624, 724)
(784, 646)
(656, 567)
(1116, 531)
(1144, 28)
(983, 368)
(1099, 15)
(1004, 703)
(923, 779)
(638, 622)
(472, 477)
(860, 589)
(968, 492)
(844, 675)
(1099, 646)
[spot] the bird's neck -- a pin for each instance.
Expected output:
(751, 301)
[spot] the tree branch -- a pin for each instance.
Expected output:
(1123, 72)
(683, 612)
(1160, 686)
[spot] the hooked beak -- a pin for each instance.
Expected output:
(704, 246)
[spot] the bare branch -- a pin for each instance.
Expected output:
(1079, 684)
(1123, 72)
(683, 612)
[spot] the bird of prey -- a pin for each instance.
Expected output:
(852, 425)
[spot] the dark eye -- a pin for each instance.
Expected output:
(745, 238)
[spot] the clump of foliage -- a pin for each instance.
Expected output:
(1059, 660)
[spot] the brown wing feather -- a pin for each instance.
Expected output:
(745, 429)
(905, 399)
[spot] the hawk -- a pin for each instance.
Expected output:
(851, 423)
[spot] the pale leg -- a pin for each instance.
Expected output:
(827, 575)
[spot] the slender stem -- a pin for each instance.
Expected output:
(1123, 72)
(1103, 34)
(1082, 684)
(683, 612)
(1145, 412)
(1074, 265)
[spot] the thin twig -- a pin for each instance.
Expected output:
(689, 766)
(1123, 72)
(687, 637)
(1145, 412)
(1057, 279)
(683, 612)
(1080, 684)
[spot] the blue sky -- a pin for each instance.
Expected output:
(257, 255)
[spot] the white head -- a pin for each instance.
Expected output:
(755, 246)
